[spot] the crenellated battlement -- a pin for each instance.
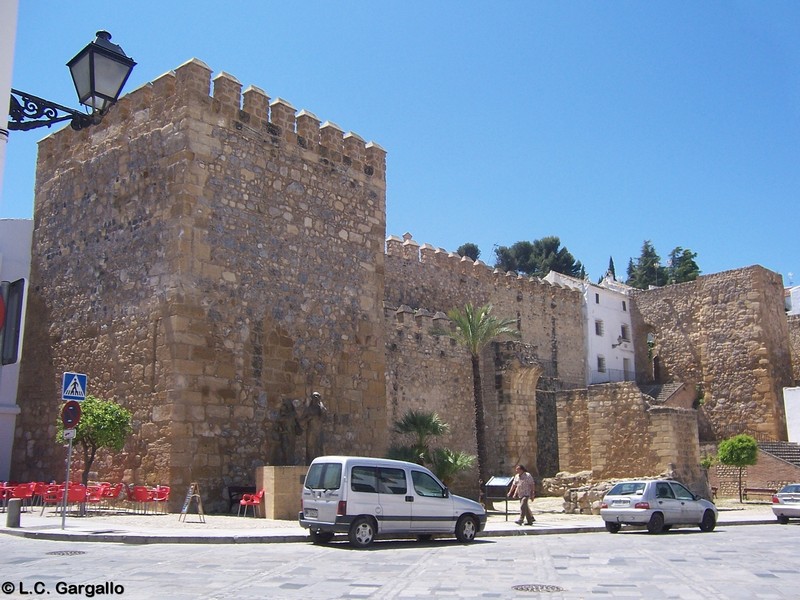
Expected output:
(410, 250)
(420, 318)
(278, 118)
(252, 110)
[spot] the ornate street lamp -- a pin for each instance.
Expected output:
(99, 72)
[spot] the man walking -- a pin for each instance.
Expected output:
(523, 488)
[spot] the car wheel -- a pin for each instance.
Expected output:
(362, 532)
(466, 529)
(612, 527)
(783, 520)
(709, 522)
(321, 537)
(656, 523)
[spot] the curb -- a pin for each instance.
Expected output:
(142, 539)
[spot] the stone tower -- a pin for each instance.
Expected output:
(206, 260)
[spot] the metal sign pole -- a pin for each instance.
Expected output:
(66, 486)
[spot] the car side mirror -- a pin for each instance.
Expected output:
(445, 493)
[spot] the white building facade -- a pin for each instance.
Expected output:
(609, 337)
(15, 264)
(793, 300)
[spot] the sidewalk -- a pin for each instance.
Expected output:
(132, 528)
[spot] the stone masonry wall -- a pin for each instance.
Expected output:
(209, 257)
(549, 317)
(631, 437)
(728, 334)
(430, 373)
(794, 344)
(202, 258)
(574, 431)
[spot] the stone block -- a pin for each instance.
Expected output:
(282, 490)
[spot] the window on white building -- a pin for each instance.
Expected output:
(598, 327)
(626, 333)
(601, 364)
(624, 306)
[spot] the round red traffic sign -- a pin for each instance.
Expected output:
(71, 413)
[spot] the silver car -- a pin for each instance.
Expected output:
(786, 503)
(657, 505)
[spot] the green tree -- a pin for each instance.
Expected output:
(611, 271)
(475, 328)
(422, 426)
(516, 258)
(538, 258)
(103, 424)
(682, 266)
(647, 270)
(447, 464)
(739, 451)
(469, 250)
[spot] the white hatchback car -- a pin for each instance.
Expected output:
(786, 503)
(657, 505)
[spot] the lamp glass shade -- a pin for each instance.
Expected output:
(99, 72)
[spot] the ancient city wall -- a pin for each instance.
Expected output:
(726, 333)
(549, 316)
(615, 431)
(574, 431)
(209, 257)
(431, 372)
(203, 257)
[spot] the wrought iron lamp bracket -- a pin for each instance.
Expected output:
(29, 112)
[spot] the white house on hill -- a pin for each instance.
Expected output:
(609, 341)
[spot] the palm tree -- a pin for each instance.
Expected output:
(475, 328)
(448, 463)
(422, 426)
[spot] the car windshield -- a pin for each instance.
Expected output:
(324, 476)
(629, 488)
(791, 489)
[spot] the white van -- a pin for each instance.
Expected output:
(367, 497)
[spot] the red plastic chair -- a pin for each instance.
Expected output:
(6, 490)
(161, 496)
(253, 500)
(94, 494)
(76, 494)
(24, 491)
(111, 494)
(140, 496)
(38, 491)
(53, 496)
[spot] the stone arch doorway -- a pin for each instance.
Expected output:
(519, 418)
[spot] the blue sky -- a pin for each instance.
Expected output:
(603, 123)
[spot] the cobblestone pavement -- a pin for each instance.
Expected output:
(734, 563)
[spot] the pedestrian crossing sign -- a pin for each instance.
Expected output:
(73, 386)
